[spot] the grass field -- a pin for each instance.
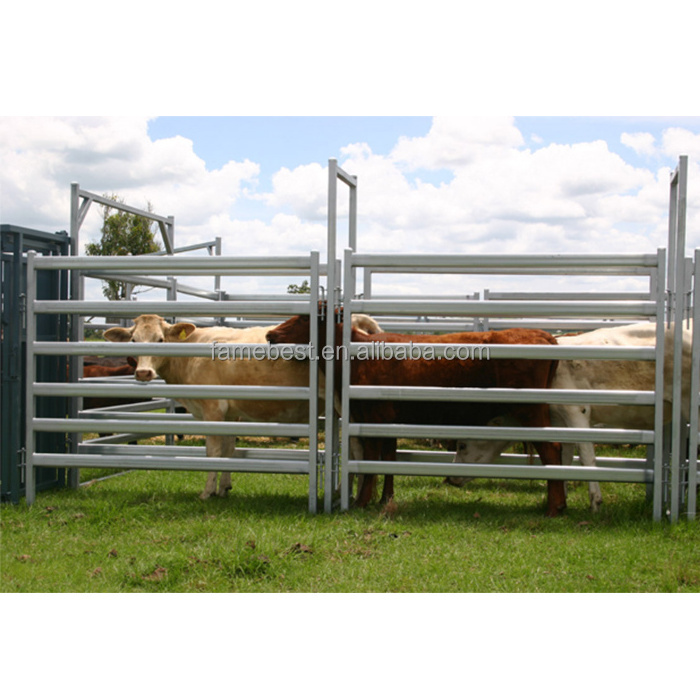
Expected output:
(149, 532)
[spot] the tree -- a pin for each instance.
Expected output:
(302, 288)
(123, 233)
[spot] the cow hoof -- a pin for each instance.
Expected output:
(204, 495)
(595, 506)
(222, 493)
(457, 481)
(556, 512)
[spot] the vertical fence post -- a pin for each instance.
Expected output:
(694, 398)
(75, 364)
(348, 293)
(659, 451)
(313, 384)
(30, 441)
(331, 445)
(677, 288)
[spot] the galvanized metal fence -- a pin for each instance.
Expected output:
(661, 471)
(418, 463)
(161, 457)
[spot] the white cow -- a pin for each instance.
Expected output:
(206, 370)
(602, 375)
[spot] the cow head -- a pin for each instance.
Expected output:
(481, 451)
(298, 328)
(150, 329)
(294, 330)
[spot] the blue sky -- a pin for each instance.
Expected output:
(426, 184)
(276, 142)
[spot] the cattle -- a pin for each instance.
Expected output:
(207, 370)
(93, 371)
(604, 375)
(110, 361)
(94, 367)
(519, 373)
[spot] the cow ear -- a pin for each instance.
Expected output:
(117, 335)
(180, 331)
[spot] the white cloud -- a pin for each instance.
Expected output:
(678, 141)
(456, 141)
(497, 195)
(304, 190)
(642, 143)
(41, 157)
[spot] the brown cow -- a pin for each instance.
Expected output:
(99, 367)
(505, 373)
(92, 371)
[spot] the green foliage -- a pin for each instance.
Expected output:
(123, 233)
(302, 288)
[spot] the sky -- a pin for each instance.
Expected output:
(463, 185)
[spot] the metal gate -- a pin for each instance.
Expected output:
(51, 284)
(163, 457)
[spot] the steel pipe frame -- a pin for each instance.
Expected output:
(653, 266)
(677, 286)
(160, 424)
(333, 450)
(693, 463)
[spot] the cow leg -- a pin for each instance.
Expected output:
(356, 453)
(579, 417)
(365, 490)
(550, 453)
(388, 455)
(586, 452)
(218, 446)
(213, 443)
(210, 486)
(228, 450)
(368, 482)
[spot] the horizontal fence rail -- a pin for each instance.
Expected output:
(628, 475)
(483, 395)
(545, 309)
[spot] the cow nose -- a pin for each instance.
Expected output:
(144, 375)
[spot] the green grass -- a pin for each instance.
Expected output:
(149, 532)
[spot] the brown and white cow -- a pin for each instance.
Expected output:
(602, 375)
(206, 370)
(520, 373)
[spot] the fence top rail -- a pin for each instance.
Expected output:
(475, 263)
(467, 307)
(567, 296)
(217, 309)
(169, 265)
